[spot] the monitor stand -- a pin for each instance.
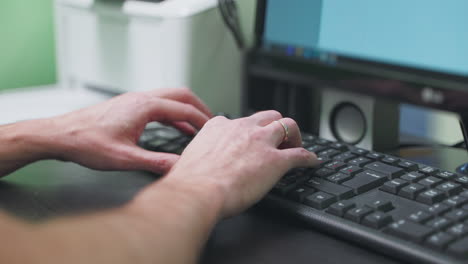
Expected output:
(443, 157)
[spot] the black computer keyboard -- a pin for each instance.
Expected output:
(407, 210)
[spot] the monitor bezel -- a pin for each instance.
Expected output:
(421, 87)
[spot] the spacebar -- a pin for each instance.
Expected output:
(342, 192)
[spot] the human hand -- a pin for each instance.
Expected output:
(238, 161)
(104, 136)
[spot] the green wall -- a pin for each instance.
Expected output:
(26, 43)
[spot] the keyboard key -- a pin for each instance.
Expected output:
(342, 192)
(459, 248)
(356, 214)
(172, 147)
(428, 170)
(339, 177)
(446, 175)
(322, 160)
(339, 146)
(374, 156)
(319, 200)
(359, 151)
(350, 170)
(409, 230)
(439, 223)
(323, 172)
(387, 170)
(450, 188)
(393, 186)
(345, 157)
(330, 153)
(420, 217)
(307, 140)
(431, 197)
(322, 141)
(413, 176)
(340, 208)
(464, 193)
(381, 205)
(456, 201)
(359, 162)
(365, 181)
(390, 160)
(457, 215)
(458, 230)
(430, 182)
(438, 209)
(316, 148)
(408, 165)
(377, 220)
(335, 165)
(290, 180)
(298, 194)
(284, 186)
(296, 173)
(411, 191)
(439, 240)
(463, 180)
(308, 137)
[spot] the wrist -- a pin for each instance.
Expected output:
(31, 140)
(200, 199)
(165, 208)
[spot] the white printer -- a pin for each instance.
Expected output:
(119, 46)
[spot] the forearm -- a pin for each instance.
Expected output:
(25, 142)
(165, 225)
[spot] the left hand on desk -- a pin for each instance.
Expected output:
(104, 136)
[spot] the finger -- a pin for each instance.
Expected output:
(264, 118)
(167, 111)
(184, 127)
(157, 162)
(298, 157)
(186, 96)
(287, 136)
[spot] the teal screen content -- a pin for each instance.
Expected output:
(425, 34)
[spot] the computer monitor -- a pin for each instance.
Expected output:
(410, 51)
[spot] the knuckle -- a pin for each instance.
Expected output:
(186, 92)
(139, 98)
(275, 154)
(304, 153)
(162, 165)
(290, 121)
(189, 109)
(275, 114)
(305, 157)
(216, 120)
(257, 134)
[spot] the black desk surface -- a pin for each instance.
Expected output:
(50, 188)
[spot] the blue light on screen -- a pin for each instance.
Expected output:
(427, 34)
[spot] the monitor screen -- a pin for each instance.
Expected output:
(429, 36)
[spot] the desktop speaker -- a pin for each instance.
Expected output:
(360, 120)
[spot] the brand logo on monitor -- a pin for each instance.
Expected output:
(432, 96)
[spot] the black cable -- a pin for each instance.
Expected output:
(229, 13)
